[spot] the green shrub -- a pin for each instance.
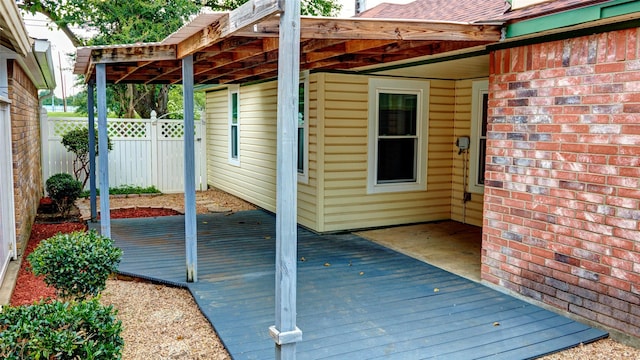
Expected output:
(125, 190)
(60, 330)
(63, 190)
(76, 264)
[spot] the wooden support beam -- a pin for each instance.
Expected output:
(132, 53)
(190, 226)
(92, 151)
(133, 69)
(285, 333)
(167, 73)
(334, 28)
(246, 15)
(103, 150)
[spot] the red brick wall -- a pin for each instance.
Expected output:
(25, 127)
(562, 196)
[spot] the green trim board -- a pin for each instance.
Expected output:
(572, 17)
(564, 35)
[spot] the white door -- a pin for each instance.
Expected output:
(7, 212)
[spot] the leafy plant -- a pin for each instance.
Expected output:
(77, 142)
(76, 264)
(126, 190)
(59, 330)
(63, 189)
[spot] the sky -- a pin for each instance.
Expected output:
(39, 27)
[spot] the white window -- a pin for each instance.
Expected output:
(479, 100)
(303, 130)
(398, 127)
(234, 125)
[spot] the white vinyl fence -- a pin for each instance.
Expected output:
(145, 152)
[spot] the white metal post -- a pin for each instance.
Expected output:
(285, 332)
(103, 150)
(190, 226)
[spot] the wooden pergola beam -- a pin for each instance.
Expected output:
(380, 29)
(246, 15)
(133, 69)
(133, 53)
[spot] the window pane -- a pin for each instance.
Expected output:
(301, 104)
(301, 150)
(485, 106)
(234, 108)
(482, 160)
(397, 114)
(234, 142)
(396, 160)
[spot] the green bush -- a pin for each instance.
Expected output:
(125, 190)
(59, 330)
(76, 264)
(63, 190)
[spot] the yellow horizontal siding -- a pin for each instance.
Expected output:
(346, 203)
(335, 198)
(471, 211)
(254, 179)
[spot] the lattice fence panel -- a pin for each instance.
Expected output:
(171, 130)
(62, 127)
(127, 129)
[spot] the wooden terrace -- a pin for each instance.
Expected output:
(356, 299)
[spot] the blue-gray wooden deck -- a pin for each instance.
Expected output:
(356, 299)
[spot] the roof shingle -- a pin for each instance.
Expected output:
(440, 10)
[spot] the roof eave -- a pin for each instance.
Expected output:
(13, 27)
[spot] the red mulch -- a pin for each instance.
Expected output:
(30, 288)
(140, 212)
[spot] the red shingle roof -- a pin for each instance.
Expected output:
(471, 10)
(440, 10)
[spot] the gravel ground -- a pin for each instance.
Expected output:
(162, 322)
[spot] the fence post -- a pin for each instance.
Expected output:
(154, 150)
(45, 154)
(204, 180)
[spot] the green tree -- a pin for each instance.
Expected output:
(132, 21)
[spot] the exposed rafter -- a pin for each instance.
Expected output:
(246, 15)
(242, 46)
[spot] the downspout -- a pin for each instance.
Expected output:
(42, 98)
(44, 127)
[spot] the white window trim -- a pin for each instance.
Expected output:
(420, 88)
(479, 88)
(234, 89)
(304, 176)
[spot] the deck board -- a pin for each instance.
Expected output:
(356, 299)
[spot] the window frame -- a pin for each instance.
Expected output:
(479, 89)
(303, 176)
(398, 86)
(234, 90)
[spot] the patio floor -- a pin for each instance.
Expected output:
(356, 299)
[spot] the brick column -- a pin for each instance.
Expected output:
(562, 195)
